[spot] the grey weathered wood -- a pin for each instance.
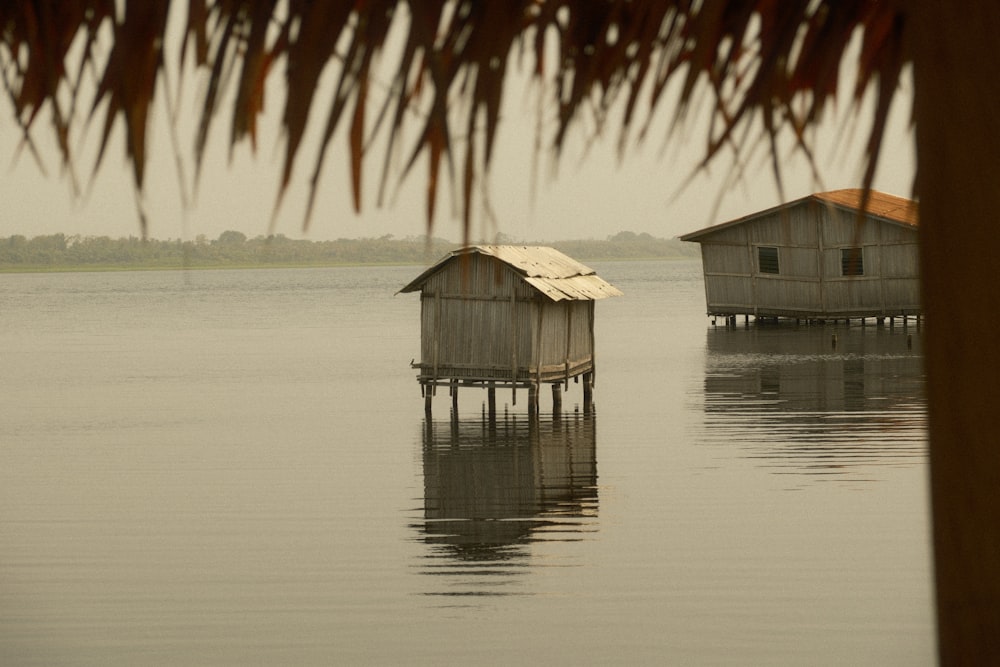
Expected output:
(810, 234)
(506, 316)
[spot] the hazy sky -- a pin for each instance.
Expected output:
(592, 196)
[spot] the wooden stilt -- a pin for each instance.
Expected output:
(428, 395)
(588, 391)
(491, 399)
(454, 395)
(533, 399)
(556, 397)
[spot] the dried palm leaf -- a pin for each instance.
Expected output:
(763, 61)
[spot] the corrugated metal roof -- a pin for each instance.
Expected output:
(546, 269)
(576, 288)
(880, 205)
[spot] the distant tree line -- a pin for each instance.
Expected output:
(234, 249)
(629, 245)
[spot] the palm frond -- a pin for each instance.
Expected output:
(763, 61)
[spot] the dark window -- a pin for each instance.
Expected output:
(852, 262)
(767, 259)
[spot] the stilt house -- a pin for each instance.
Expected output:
(816, 258)
(507, 316)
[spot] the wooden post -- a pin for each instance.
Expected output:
(428, 395)
(957, 134)
(588, 391)
(513, 347)
(454, 396)
(491, 400)
(593, 344)
(437, 338)
(556, 397)
(569, 341)
(533, 399)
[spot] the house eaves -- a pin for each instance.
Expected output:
(555, 275)
(893, 209)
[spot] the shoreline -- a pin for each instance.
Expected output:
(111, 268)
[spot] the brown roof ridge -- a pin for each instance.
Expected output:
(880, 204)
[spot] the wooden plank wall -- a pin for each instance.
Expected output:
(810, 239)
(479, 319)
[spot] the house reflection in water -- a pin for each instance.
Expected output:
(821, 400)
(491, 490)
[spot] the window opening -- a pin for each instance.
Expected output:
(852, 262)
(767, 259)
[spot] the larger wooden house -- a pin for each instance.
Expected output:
(816, 258)
(507, 316)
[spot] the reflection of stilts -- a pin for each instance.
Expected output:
(490, 484)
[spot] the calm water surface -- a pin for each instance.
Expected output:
(233, 467)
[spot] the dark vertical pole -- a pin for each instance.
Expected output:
(958, 165)
(513, 347)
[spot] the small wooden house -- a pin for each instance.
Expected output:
(816, 258)
(507, 316)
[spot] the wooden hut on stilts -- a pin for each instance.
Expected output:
(504, 316)
(825, 257)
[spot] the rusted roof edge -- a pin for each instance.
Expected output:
(543, 265)
(826, 198)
